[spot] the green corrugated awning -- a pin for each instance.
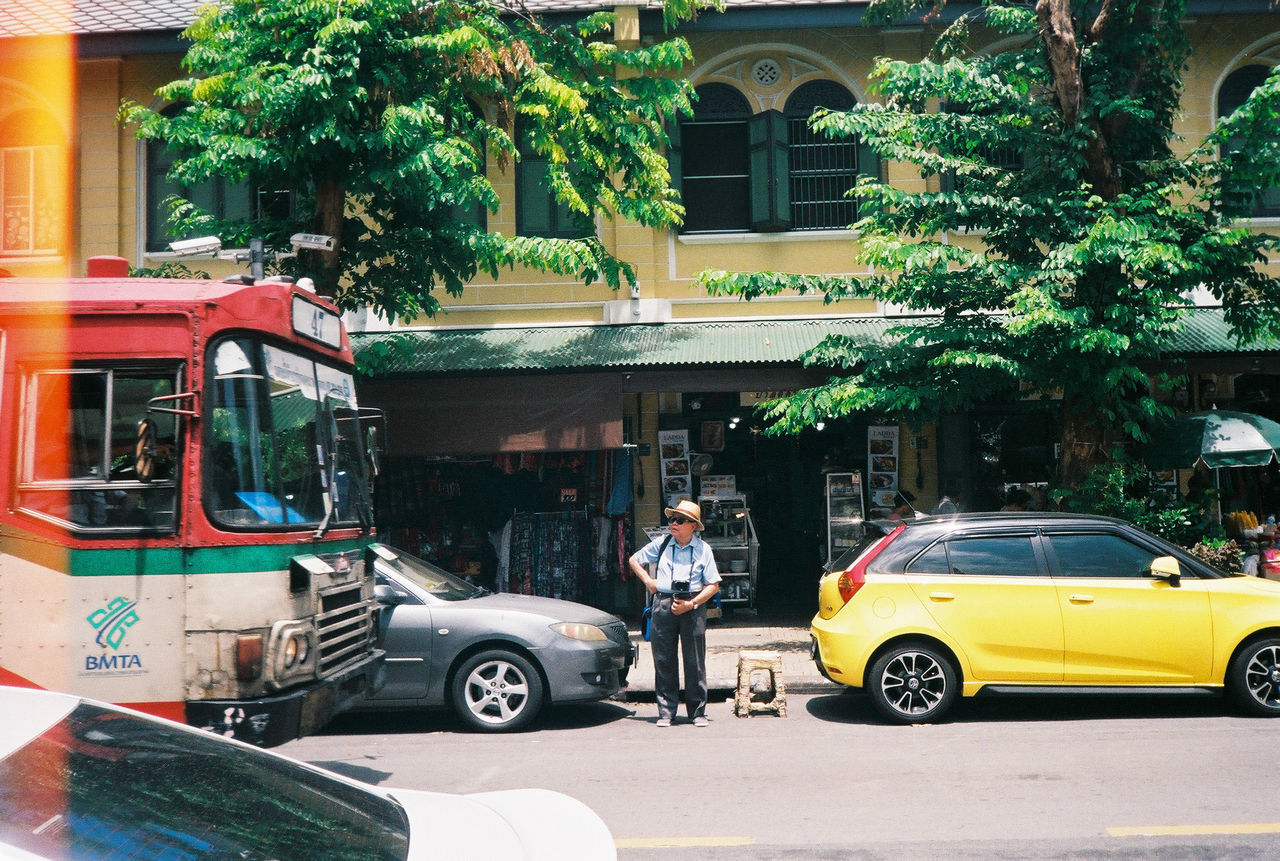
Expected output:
(437, 351)
(410, 352)
(1205, 330)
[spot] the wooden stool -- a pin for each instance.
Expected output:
(749, 661)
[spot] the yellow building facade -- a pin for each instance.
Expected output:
(531, 376)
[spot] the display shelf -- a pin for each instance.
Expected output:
(845, 512)
(728, 528)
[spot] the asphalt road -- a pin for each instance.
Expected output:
(1173, 777)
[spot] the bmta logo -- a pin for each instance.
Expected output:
(113, 621)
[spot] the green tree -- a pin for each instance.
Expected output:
(382, 116)
(1058, 149)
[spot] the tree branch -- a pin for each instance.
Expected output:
(1098, 30)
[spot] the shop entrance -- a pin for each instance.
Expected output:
(783, 480)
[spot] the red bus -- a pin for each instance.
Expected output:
(187, 505)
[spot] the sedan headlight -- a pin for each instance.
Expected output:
(579, 631)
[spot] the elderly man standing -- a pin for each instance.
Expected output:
(684, 580)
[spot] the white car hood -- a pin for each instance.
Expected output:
(512, 824)
(33, 713)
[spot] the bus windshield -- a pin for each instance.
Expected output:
(282, 442)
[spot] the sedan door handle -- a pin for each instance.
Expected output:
(1080, 599)
(941, 596)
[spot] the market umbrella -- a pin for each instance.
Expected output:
(1216, 438)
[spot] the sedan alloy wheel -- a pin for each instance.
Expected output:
(497, 691)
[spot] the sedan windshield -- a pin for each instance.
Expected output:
(104, 784)
(434, 581)
(282, 442)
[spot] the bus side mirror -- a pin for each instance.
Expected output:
(1167, 568)
(373, 423)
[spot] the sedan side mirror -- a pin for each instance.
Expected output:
(385, 594)
(1167, 568)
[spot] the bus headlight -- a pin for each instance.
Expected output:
(291, 653)
(296, 650)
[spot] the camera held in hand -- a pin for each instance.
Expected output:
(680, 589)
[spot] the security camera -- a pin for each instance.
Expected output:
(314, 241)
(197, 245)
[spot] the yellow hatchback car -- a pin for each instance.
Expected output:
(923, 611)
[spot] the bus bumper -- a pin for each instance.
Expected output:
(300, 711)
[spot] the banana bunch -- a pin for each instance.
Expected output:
(1238, 521)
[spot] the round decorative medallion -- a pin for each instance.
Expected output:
(766, 72)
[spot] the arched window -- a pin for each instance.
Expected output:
(740, 171)
(822, 169)
(712, 152)
(1235, 91)
(217, 197)
(32, 158)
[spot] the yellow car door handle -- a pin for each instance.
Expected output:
(1080, 599)
(941, 596)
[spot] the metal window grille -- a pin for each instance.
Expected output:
(822, 172)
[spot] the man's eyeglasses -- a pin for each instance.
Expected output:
(680, 521)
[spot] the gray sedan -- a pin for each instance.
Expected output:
(495, 659)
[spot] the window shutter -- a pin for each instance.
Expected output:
(770, 183)
(675, 157)
(868, 161)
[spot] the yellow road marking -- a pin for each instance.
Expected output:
(677, 842)
(1184, 830)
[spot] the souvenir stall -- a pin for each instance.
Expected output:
(537, 524)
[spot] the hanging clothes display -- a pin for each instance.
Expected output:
(552, 555)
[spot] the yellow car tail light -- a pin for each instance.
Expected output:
(853, 577)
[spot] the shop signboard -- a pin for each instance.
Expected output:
(673, 446)
(719, 485)
(751, 399)
(882, 468)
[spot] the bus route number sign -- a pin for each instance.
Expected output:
(318, 324)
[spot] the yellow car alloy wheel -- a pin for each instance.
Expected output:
(912, 683)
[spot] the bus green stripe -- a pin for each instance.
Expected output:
(166, 560)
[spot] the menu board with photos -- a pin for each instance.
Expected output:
(673, 448)
(882, 468)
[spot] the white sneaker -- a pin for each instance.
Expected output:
(700, 721)
(664, 721)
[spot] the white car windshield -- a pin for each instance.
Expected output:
(105, 784)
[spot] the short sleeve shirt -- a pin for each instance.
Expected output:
(694, 562)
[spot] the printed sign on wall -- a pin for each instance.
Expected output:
(882, 468)
(673, 446)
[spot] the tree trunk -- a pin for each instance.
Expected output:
(1057, 29)
(331, 199)
(1085, 441)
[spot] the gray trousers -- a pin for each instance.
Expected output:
(690, 630)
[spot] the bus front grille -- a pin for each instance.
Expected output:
(345, 626)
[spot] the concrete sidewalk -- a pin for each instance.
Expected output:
(724, 639)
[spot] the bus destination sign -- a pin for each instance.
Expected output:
(318, 324)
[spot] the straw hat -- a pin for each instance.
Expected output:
(687, 508)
